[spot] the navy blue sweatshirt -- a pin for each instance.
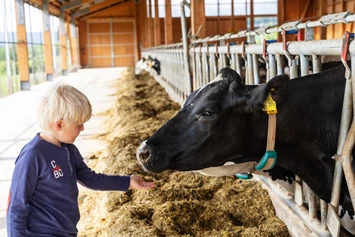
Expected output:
(44, 193)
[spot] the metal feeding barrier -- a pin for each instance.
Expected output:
(187, 67)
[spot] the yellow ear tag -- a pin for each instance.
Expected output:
(270, 105)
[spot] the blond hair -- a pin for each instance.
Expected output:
(63, 102)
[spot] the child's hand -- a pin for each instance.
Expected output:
(139, 183)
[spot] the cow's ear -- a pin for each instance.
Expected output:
(277, 87)
(231, 75)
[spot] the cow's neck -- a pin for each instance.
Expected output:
(307, 130)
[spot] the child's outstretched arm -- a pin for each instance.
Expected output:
(139, 183)
(98, 181)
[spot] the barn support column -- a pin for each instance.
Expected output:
(322, 11)
(144, 21)
(157, 33)
(74, 45)
(281, 12)
(251, 14)
(63, 42)
(168, 23)
(198, 18)
(22, 50)
(151, 24)
(138, 29)
(48, 55)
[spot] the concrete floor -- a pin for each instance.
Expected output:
(18, 121)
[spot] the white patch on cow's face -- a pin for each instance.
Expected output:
(141, 66)
(140, 149)
(217, 79)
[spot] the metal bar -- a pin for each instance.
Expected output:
(249, 70)
(279, 64)
(255, 70)
(304, 65)
(323, 213)
(336, 18)
(312, 207)
(346, 157)
(7, 52)
(185, 44)
(272, 67)
(316, 64)
(238, 64)
(205, 65)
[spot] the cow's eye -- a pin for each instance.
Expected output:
(207, 113)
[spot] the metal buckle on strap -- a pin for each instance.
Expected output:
(244, 175)
(268, 161)
(345, 51)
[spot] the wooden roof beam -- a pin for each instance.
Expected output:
(80, 3)
(39, 3)
(71, 5)
(93, 9)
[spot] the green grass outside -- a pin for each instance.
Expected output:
(4, 85)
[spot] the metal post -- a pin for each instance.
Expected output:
(272, 67)
(185, 44)
(7, 52)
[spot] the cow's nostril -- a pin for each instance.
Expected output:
(144, 155)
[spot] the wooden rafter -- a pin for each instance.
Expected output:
(94, 9)
(53, 9)
(305, 9)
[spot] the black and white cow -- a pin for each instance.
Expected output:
(141, 66)
(146, 64)
(224, 122)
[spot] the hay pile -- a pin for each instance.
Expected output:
(182, 203)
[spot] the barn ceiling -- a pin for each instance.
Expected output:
(76, 8)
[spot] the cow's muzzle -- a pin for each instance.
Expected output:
(151, 158)
(143, 154)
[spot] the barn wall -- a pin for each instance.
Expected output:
(223, 25)
(108, 37)
(177, 33)
(83, 41)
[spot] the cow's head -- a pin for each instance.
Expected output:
(140, 66)
(223, 121)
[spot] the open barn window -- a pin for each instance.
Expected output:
(175, 8)
(9, 75)
(235, 15)
(35, 44)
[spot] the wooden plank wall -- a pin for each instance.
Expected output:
(224, 24)
(100, 44)
(123, 40)
(83, 41)
(95, 30)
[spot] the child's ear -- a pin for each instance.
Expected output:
(58, 125)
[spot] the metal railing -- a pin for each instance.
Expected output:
(207, 56)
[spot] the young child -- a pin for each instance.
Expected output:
(43, 198)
